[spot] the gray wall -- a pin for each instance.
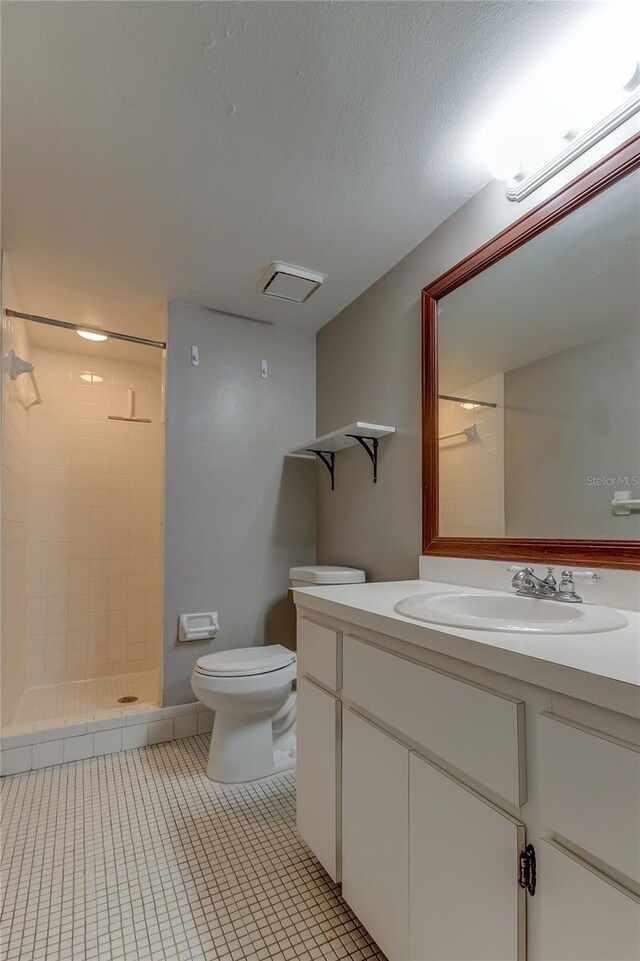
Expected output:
(238, 513)
(580, 411)
(368, 368)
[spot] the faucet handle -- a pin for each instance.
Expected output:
(568, 576)
(568, 589)
(550, 580)
(519, 569)
(593, 577)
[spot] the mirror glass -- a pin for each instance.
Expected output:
(541, 355)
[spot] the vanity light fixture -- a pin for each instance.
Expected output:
(579, 95)
(95, 335)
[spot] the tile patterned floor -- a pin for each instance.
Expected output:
(84, 697)
(137, 856)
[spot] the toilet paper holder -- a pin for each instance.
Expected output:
(198, 627)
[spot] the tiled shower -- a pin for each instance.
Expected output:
(82, 526)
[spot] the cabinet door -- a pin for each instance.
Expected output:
(589, 791)
(465, 901)
(375, 832)
(579, 915)
(318, 731)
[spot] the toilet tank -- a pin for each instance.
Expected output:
(319, 574)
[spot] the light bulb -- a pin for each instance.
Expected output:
(503, 158)
(616, 65)
(604, 57)
(91, 335)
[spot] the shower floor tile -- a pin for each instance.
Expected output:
(139, 857)
(57, 702)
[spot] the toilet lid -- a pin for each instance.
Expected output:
(245, 661)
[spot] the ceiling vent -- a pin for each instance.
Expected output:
(287, 282)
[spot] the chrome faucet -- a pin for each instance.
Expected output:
(526, 584)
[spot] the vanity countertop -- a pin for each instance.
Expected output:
(603, 669)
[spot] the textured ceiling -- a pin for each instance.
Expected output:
(172, 150)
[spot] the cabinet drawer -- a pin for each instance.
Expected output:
(317, 648)
(474, 730)
(590, 792)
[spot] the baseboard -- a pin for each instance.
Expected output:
(41, 745)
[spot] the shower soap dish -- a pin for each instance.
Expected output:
(198, 627)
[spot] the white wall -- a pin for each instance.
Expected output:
(238, 513)
(580, 411)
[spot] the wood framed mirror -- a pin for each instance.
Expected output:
(531, 383)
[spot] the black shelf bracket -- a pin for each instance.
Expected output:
(328, 458)
(371, 451)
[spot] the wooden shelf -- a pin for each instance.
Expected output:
(340, 439)
(325, 447)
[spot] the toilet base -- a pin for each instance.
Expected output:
(284, 760)
(241, 751)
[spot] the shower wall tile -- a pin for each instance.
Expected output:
(472, 473)
(95, 500)
(15, 506)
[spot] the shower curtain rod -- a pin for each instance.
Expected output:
(467, 400)
(99, 330)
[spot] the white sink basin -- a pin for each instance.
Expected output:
(500, 611)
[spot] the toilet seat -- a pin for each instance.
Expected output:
(245, 661)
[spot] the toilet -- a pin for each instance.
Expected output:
(250, 689)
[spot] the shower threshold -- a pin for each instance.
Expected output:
(78, 720)
(83, 700)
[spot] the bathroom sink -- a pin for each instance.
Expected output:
(500, 611)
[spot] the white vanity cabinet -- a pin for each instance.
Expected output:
(581, 914)
(464, 902)
(590, 791)
(416, 843)
(473, 729)
(423, 782)
(319, 733)
(375, 832)
(318, 800)
(589, 863)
